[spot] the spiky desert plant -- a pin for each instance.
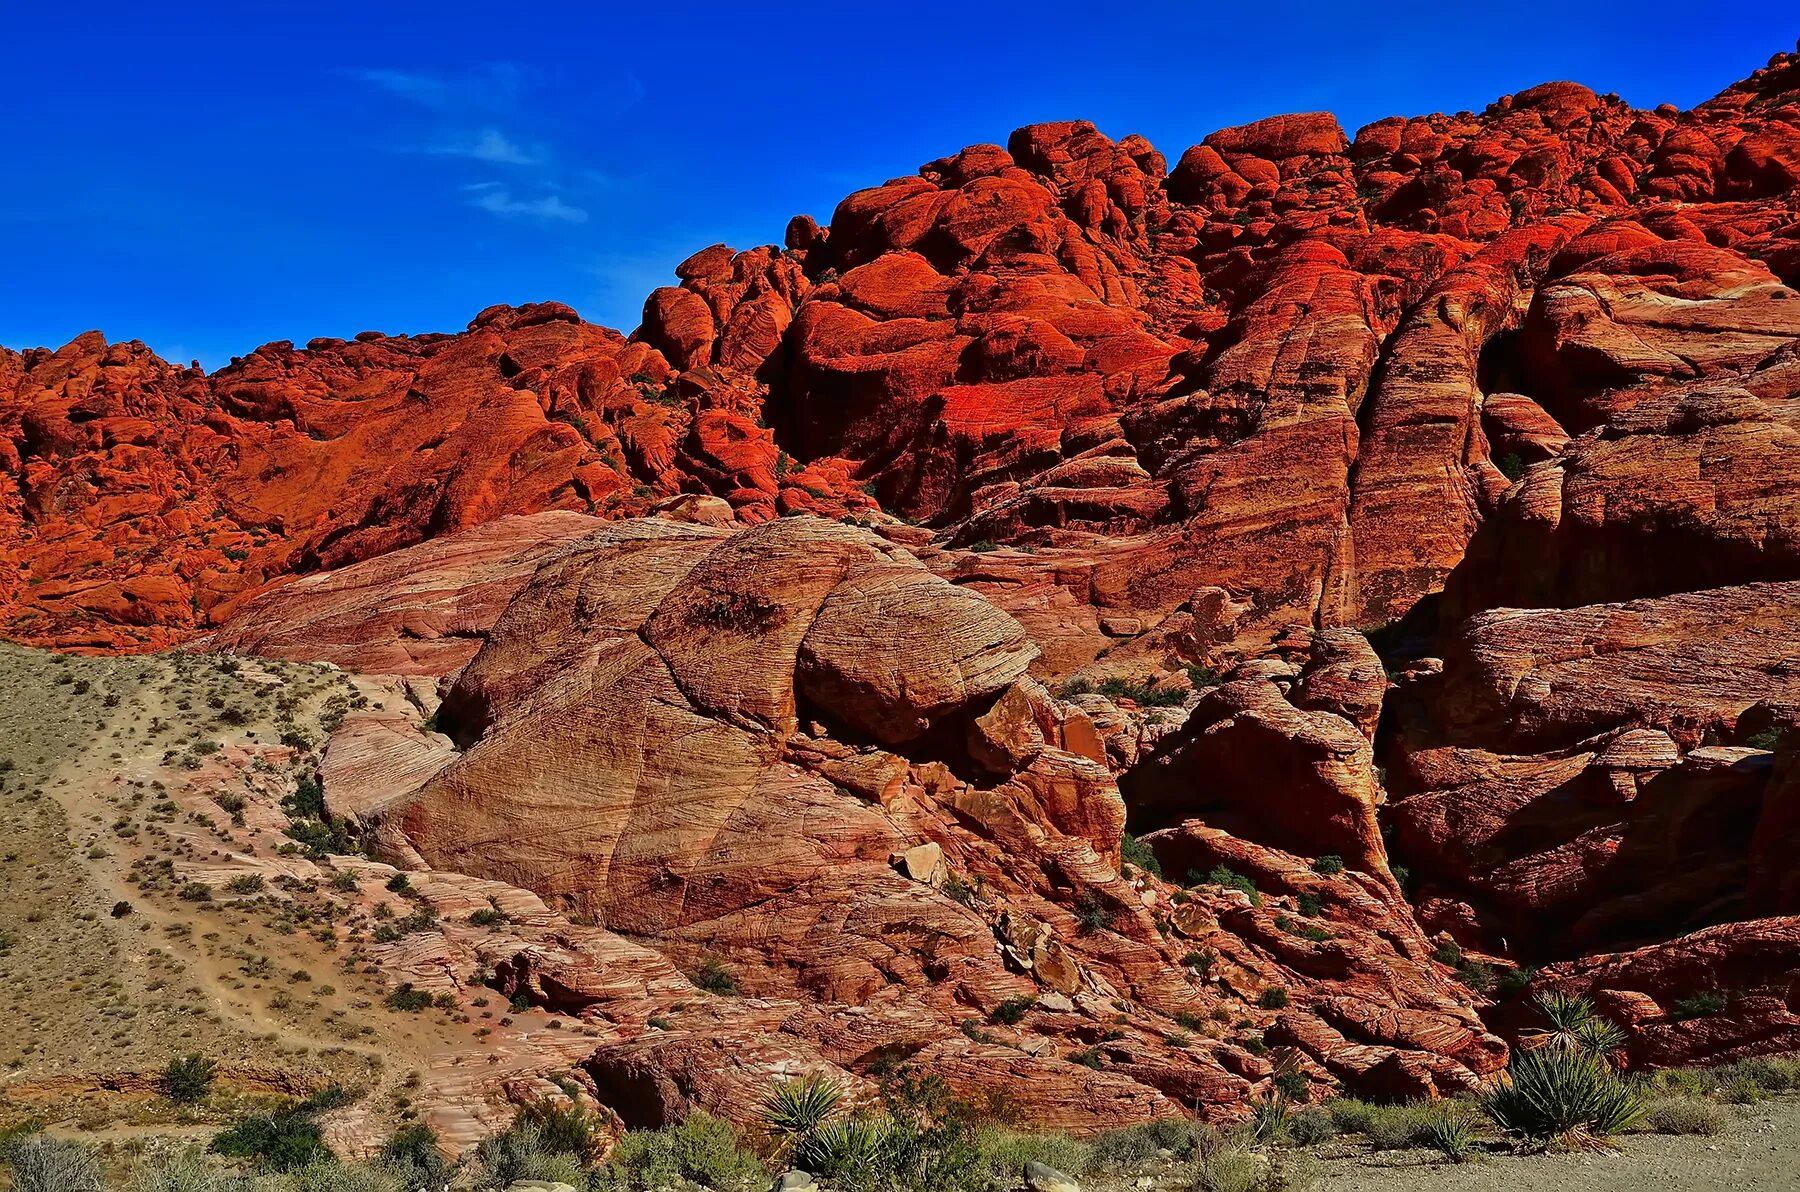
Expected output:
(1270, 1118)
(796, 1108)
(1563, 1093)
(1574, 1025)
(854, 1151)
(1450, 1129)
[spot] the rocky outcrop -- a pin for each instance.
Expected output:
(792, 755)
(1301, 368)
(416, 612)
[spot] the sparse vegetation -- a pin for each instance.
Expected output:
(188, 1079)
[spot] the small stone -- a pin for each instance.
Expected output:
(1042, 1178)
(795, 1181)
(921, 863)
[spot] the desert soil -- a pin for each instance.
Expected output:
(1761, 1149)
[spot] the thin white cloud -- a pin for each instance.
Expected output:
(498, 200)
(420, 88)
(492, 146)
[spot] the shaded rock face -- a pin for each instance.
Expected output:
(1291, 369)
(793, 752)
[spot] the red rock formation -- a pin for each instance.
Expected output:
(1523, 380)
(1272, 371)
(716, 744)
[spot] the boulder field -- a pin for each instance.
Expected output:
(1400, 533)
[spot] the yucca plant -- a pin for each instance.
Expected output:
(853, 1151)
(1270, 1118)
(796, 1108)
(1563, 1093)
(1574, 1026)
(1450, 1129)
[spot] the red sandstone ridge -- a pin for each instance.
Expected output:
(778, 639)
(1288, 368)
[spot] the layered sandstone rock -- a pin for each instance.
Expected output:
(794, 754)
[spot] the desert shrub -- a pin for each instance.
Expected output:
(1136, 1145)
(41, 1164)
(487, 916)
(1704, 1004)
(1396, 1127)
(1350, 1115)
(1273, 998)
(412, 1155)
(1090, 912)
(184, 1172)
(1138, 853)
(1312, 1125)
(1329, 865)
(700, 1148)
(1223, 876)
(563, 1126)
(714, 977)
(194, 892)
(1012, 1011)
(1554, 1092)
(331, 1176)
(1684, 1115)
(245, 883)
(1004, 1153)
(519, 1153)
(1774, 1074)
(285, 1140)
(1513, 982)
(408, 999)
(188, 1078)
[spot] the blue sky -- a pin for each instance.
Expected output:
(208, 177)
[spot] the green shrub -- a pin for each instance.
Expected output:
(562, 1126)
(1684, 1115)
(1552, 1092)
(1273, 998)
(1330, 865)
(1134, 1146)
(1004, 1153)
(487, 916)
(1513, 982)
(412, 1154)
(1138, 853)
(1312, 1125)
(1350, 1115)
(188, 1079)
(1704, 1004)
(285, 1140)
(1396, 1127)
(700, 1148)
(245, 883)
(714, 977)
(407, 999)
(519, 1153)
(1012, 1011)
(1091, 914)
(1222, 876)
